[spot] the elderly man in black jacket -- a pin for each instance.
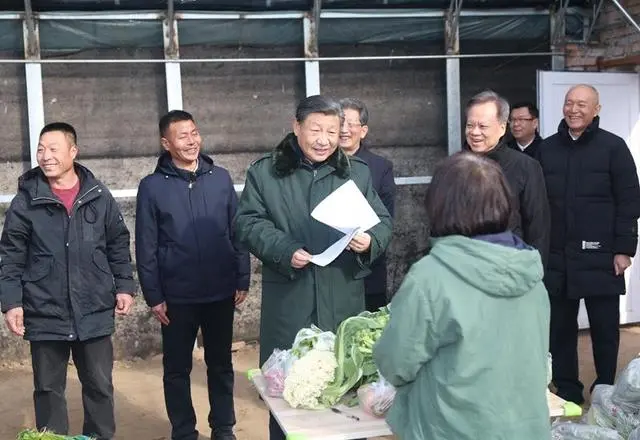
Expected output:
(65, 267)
(352, 133)
(593, 192)
(487, 116)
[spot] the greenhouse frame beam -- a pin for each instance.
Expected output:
(290, 15)
(595, 13)
(557, 31)
(452, 42)
(285, 59)
(33, 81)
(238, 187)
(173, 74)
(310, 28)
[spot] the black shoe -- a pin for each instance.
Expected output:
(224, 435)
(577, 399)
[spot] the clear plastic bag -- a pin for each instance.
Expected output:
(606, 413)
(376, 398)
(275, 371)
(600, 401)
(626, 391)
(577, 431)
(635, 434)
(312, 337)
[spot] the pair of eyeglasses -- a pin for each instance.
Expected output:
(352, 125)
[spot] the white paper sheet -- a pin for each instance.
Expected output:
(345, 210)
(332, 252)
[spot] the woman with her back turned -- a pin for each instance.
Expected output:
(467, 343)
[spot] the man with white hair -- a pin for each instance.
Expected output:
(594, 195)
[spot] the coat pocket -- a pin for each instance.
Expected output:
(39, 267)
(595, 254)
(41, 294)
(271, 276)
(100, 286)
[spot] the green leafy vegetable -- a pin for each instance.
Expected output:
(30, 434)
(354, 353)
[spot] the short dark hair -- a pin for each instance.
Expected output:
(65, 128)
(357, 105)
(468, 195)
(318, 104)
(171, 117)
(533, 110)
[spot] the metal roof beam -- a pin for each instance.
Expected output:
(328, 14)
(595, 13)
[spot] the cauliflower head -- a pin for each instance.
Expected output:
(308, 377)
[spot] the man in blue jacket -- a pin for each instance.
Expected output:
(352, 134)
(191, 274)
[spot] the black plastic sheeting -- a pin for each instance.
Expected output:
(264, 5)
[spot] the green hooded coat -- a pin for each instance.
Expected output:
(467, 344)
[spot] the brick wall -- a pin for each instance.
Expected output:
(613, 38)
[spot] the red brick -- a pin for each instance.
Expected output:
(633, 7)
(616, 52)
(598, 51)
(581, 61)
(616, 32)
(608, 15)
(635, 48)
(629, 40)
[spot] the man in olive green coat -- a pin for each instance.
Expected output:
(274, 222)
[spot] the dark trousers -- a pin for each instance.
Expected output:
(604, 321)
(373, 301)
(275, 432)
(94, 362)
(215, 319)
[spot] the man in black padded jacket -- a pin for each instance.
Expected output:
(487, 117)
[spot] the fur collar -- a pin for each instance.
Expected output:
(286, 158)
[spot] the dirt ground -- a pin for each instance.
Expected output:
(140, 408)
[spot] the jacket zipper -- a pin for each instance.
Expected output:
(193, 221)
(73, 211)
(72, 329)
(313, 266)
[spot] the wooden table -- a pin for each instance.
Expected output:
(302, 424)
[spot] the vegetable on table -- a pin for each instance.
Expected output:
(354, 353)
(328, 368)
(312, 337)
(308, 377)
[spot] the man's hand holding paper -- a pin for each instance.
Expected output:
(360, 243)
(348, 211)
